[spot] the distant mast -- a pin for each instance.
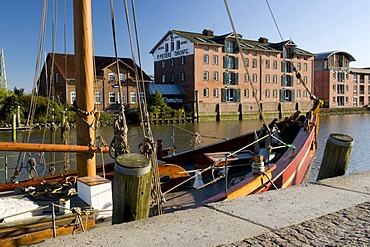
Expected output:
(83, 46)
(3, 82)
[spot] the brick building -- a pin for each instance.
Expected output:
(339, 84)
(211, 72)
(61, 83)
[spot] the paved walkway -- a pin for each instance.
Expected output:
(334, 212)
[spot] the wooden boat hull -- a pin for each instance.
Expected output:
(38, 229)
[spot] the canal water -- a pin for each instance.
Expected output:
(189, 135)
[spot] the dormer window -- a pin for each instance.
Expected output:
(112, 77)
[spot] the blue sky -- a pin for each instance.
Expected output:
(315, 25)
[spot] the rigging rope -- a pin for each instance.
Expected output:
(297, 74)
(149, 144)
(245, 63)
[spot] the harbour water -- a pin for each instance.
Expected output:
(189, 135)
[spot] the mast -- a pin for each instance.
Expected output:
(83, 46)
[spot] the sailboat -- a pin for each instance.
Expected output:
(276, 156)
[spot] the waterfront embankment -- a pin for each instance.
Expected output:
(331, 212)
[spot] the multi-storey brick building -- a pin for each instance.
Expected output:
(61, 82)
(211, 71)
(339, 84)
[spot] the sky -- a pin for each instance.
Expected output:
(315, 26)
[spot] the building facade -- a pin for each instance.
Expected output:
(337, 83)
(214, 76)
(59, 81)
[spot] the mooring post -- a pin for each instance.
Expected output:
(279, 109)
(14, 128)
(131, 188)
(336, 156)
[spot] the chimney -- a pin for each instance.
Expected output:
(207, 32)
(263, 40)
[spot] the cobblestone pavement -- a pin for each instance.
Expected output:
(347, 227)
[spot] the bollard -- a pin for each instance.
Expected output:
(336, 156)
(14, 128)
(131, 188)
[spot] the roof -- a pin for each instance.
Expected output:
(360, 70)
(327, 54)
(65, 64)
(166, 89)
(208, 38)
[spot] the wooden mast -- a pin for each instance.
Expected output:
(86, 165)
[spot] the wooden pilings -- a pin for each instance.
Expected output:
(336, 156)
(131, 188)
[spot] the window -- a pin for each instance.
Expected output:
(215, 48)
(230, 95)
(163, 64)
(246, 93)
(298, 93)
(254, 63)
(274, 79)
(246, 62)
(215, 60)
(347, 88)
(205, 59)
(172, 62)
(254, 53)
(215, 92)
(229, 46)
(112, 77)
(182, 76)
(178, 45)
(230, 62)
(305, 79)
(163, 78)
(267, 64)
(230, 78)
(340, 89)
(112, 98)
(286, 95)
(56, 77)
(267, 93)
(122, 77)
(172, 46)
(246, 52)
(334, 74)
(133, 98)
(172, 77)
(205, 92)
(298, 66)
(182, 60)
(286, 66)
(166, 47)
(72, 96)
(98, 97)
(274, 64)
(254, 78)
(274, 93)
(305, 93)
(215, 75)
(246, 77)
(267, 78)
(205, 47)
(305, 66)
(205, 75)
(334, 87)
(340, 100)
(355, 78)
(287, 80)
